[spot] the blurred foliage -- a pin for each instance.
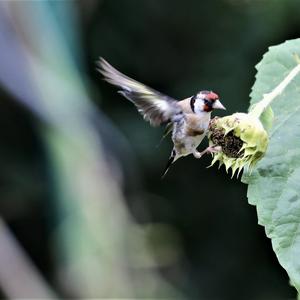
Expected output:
(196, 224)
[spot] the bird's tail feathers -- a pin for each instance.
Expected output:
(173, 157)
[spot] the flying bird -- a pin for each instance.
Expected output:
(187, 120)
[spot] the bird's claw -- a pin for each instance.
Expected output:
(211, 149)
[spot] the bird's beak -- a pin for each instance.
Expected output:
(218, 105)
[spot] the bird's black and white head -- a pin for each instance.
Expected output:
(205, 101)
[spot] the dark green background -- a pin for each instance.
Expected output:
(177, 47)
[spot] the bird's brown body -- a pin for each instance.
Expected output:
(188, 119)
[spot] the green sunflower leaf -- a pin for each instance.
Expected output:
(274, 185)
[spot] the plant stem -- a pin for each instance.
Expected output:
(260, 107)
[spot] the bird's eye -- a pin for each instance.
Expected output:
(206, 101)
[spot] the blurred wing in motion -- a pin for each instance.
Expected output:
(154, 106)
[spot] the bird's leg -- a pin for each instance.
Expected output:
(197, 154)
(211, 149)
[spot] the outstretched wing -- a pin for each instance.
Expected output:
(154, 106)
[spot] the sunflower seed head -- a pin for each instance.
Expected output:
(242, 138)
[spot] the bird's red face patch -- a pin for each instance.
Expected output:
(212, 96)
(209, 99)
(206, 100)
